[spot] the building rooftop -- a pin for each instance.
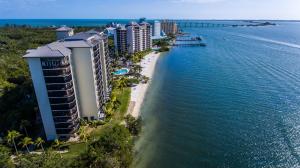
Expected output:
(62, 48)
(54, 49)
(132, 24)
(64, 28)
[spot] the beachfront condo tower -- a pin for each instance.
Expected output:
(71, 79)
(169, 27)
(156, 29)
(133, 37)
(120, 40)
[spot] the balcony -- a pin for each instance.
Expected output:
(68, 130)
(99, 83)
(61, 65)
(66, 106)
(65, 113)
(66, 125)
(57, 79)
(62, 100)
(59, 120)
(96, 59)
(61, 94)
(57, 72)
(57, 87)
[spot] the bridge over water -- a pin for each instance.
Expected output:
(199, 24)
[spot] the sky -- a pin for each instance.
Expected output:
(152, 9)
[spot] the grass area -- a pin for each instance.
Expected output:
(123, 96)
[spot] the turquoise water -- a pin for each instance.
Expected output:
(234, 103)
(122, 71)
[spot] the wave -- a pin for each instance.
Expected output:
(269, 40)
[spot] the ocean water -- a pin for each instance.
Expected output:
(60, 22)
(232, 104)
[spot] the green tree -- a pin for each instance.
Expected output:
(25, 142)
(11, 138)
(134, 125)
(112, 149)
(39, 143)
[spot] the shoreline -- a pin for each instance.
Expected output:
(139, 91)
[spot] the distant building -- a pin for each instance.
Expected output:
(169, 27)
(146, 33)
(64, 32)
(110, 31)
(120, 40)
(71, 78)
(133, 37)
(156, 29)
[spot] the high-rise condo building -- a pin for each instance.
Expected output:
(133, 37)
(71, 78)
(146, 34)
(156, 29)
(169, 27)
(120, 40)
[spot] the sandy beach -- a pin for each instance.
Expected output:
(138, 92)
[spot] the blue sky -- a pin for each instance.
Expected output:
(193, 9)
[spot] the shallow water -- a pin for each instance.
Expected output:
(234, 103)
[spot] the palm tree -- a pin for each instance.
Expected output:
(25, 142)
(39, 143)
(23, 125)
(11, 136)
(123, 82)
(57, 145)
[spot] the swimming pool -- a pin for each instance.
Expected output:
(122, 71)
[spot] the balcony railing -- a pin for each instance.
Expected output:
(61, 94)
(59, 86)
(63, 100)
(57, 72)
(64, 106)
(68, 130)
(65, 113)
(59, 120)
(66, 125)
(57, 79)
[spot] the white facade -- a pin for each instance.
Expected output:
(157, 29)
(131, 39)
(71, 81)
(82, 67)
(138, 37)
(42, 97)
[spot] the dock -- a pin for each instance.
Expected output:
(188, 41)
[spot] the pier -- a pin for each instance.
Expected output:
(187, 41)
(198, 24)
